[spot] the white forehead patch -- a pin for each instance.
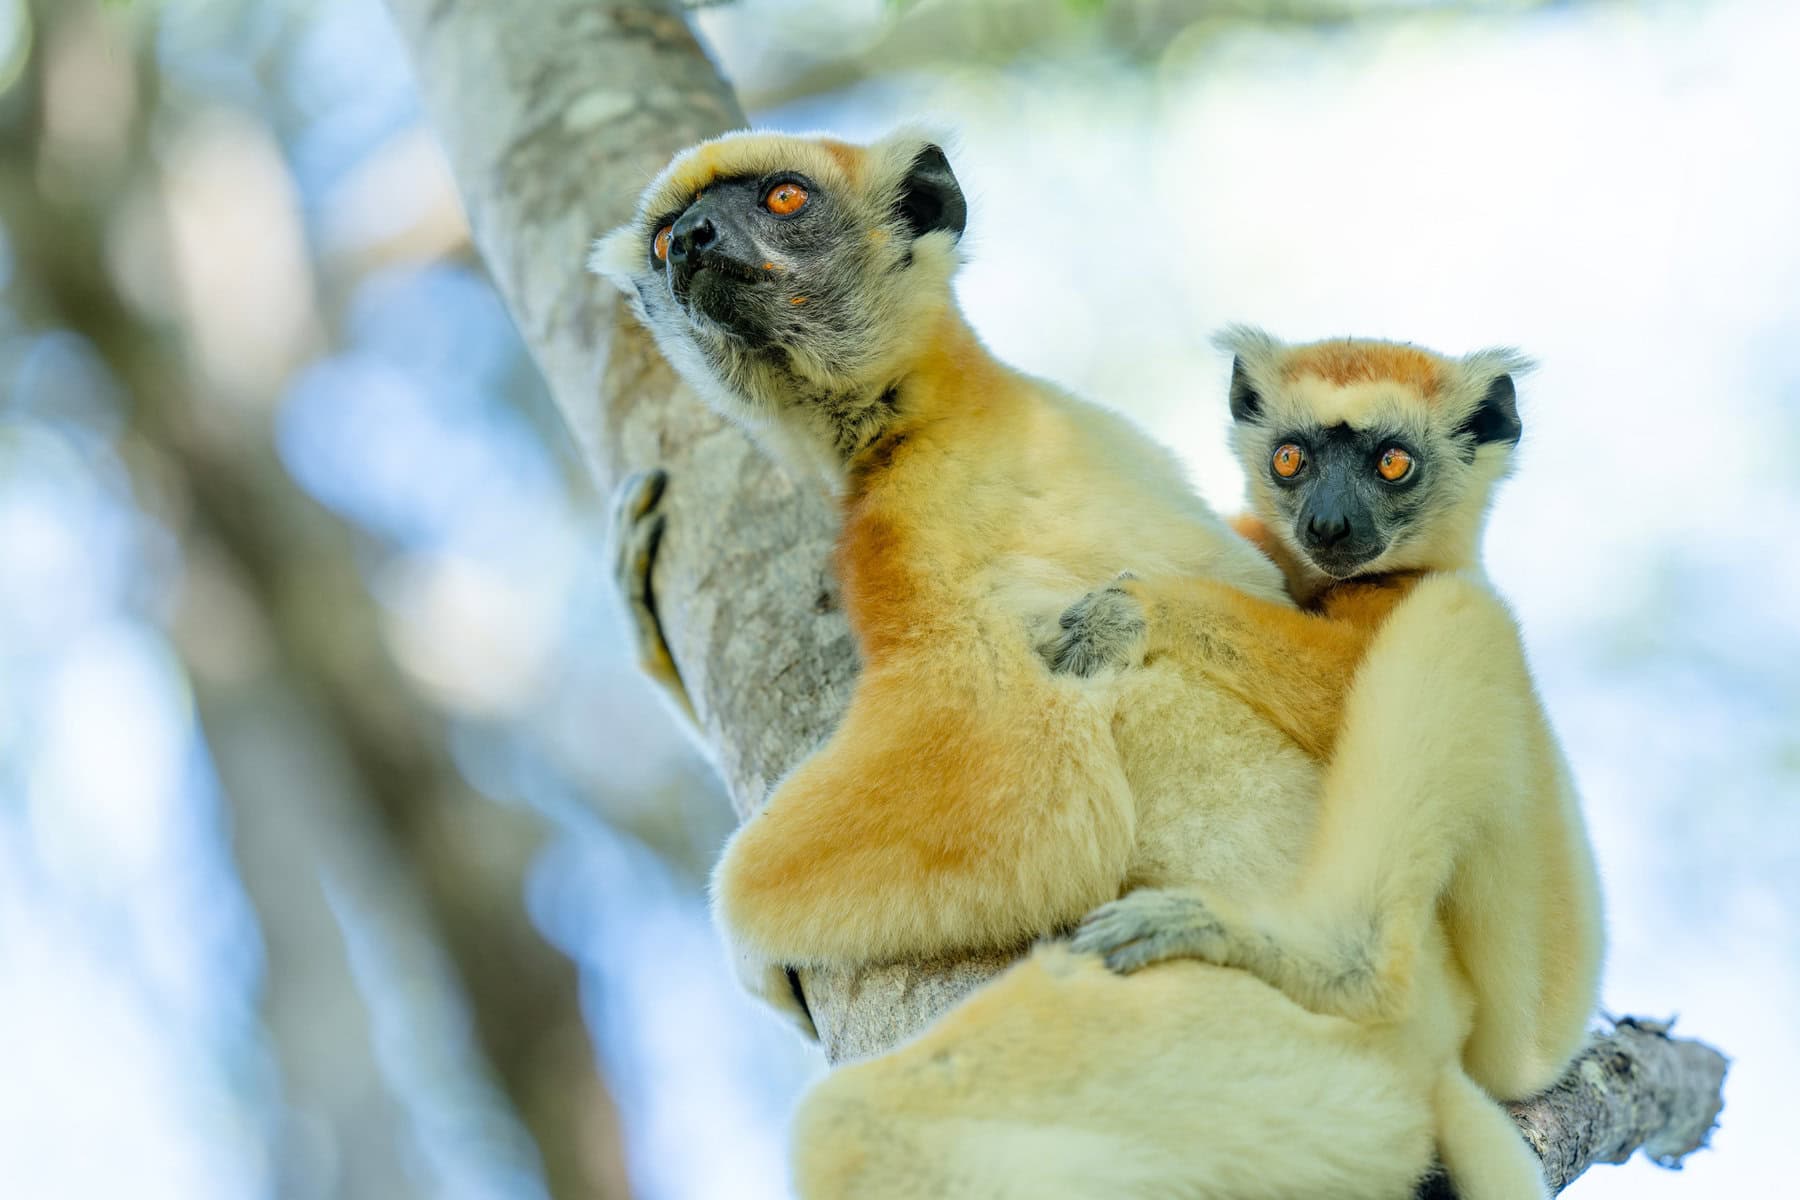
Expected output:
(1358, 405)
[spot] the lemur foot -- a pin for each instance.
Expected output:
(637, 530)
(1105, 628)
(1150, 926)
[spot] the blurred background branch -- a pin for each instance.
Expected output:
(956, 35)
(349, 812)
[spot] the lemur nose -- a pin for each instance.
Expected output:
(692, 233)
(1328, 532)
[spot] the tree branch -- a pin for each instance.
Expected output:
(1634, 1086)
(554, 117)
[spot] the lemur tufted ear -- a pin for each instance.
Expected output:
(1246, 403)
(1249, 347)
(930, 199)
(1496, 418)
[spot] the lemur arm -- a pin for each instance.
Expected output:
(1432, 734)
(1294, 667)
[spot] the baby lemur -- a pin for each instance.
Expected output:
(972, 797)
(1370, 465)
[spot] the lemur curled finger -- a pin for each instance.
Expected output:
(972, 797)
(637, 530)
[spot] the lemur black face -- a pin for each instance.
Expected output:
(781, 261)
(732, 256)
(1349, 492)
(796, 282)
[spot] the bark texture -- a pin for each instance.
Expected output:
(1634, 1086)
(554, 115)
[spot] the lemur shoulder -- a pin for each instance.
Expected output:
(1371, 466)
(971, 796)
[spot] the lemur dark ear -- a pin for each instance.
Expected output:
(930, 198)
(1246, 404)
(1496, 418)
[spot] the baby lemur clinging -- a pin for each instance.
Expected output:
(973, 798)
(1370, 466)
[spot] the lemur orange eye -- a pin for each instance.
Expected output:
(659, 245)
(1288, 460)
(785, 199)
(1394, 465)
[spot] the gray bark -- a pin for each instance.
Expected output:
(554, 116)
(1633, 1087)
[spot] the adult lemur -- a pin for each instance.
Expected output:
(972, 797)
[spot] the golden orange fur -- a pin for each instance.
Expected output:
(1344, 361)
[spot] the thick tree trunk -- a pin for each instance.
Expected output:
(554, 115)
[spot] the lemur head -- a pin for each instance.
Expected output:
(1366, 456)
(789, 278)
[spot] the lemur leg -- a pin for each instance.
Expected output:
(1060, 1081)
(1432, 736)
(949, 809)
(637, 530)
